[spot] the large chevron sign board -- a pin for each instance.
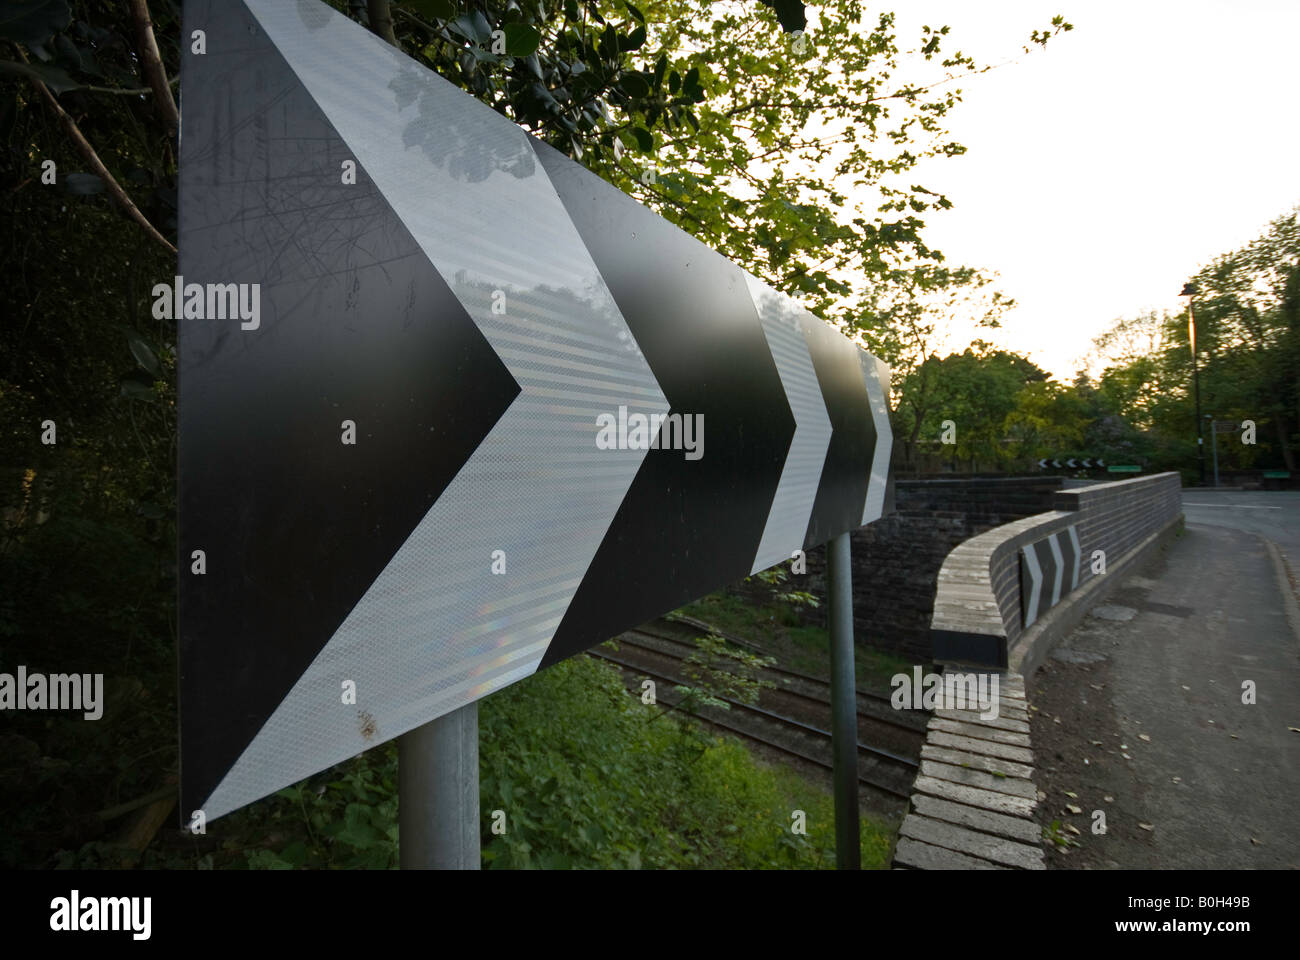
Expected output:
(452, 408)
(1049, 569)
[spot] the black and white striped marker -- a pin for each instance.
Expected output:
(1049, 569)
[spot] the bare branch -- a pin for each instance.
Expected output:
(88, 154)
(125, 91)
(151, 62)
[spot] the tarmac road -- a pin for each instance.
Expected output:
(1216, 782)
(1272, 515)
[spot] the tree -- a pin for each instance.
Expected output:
(722, 119)
(1246, 309)
(959, 406)
(1247, 304)
(1048, 420)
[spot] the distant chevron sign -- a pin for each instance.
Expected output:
(1049, 569)
(1072, 463)
(452, 408)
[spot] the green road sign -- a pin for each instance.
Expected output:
(1277, 474)
(1123, 468)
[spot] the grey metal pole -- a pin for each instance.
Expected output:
(844, 704)
(437, 793)
(1214, 441)
(1196, 375)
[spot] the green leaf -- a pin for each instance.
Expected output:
(33, 22)
(522, 39)
(143, 355)
(635, 84)
(266, 860)
(138, 390)
(633, 41)
(53, 77)
(473, 26)
(637, 14)
(691, 85)
(790, 13)
(643, 139)
(540, 91)
(609, 47)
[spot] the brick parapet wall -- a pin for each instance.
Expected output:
(977, 606)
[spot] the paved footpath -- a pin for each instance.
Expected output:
(1215, 780)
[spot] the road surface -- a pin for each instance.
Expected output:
(1272, 515)
(1160, 674)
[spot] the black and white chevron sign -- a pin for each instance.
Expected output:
(1049, 569)
(464, 410)
(1072, 463)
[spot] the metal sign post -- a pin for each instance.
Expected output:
(437, 793)
(1214, 441)
(844, 703)
(1220, 426)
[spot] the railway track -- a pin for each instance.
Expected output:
(871, 705)
(786, 718)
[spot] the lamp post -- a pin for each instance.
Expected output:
(1189, 291)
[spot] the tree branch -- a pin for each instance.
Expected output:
(380, 15)
(88, 154)
(151, 63)
(125, 91)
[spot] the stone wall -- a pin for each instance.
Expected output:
(896, 560)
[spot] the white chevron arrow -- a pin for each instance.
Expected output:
(486, 216)
(1054, 545)
(1035, 584)
(783, 323)
(876, 372)
(1077, 553)
(1072, 463)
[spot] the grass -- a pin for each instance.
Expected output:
(620, 784)
(579, 772)
(779, 630)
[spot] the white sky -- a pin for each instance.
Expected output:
(1105, 170)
